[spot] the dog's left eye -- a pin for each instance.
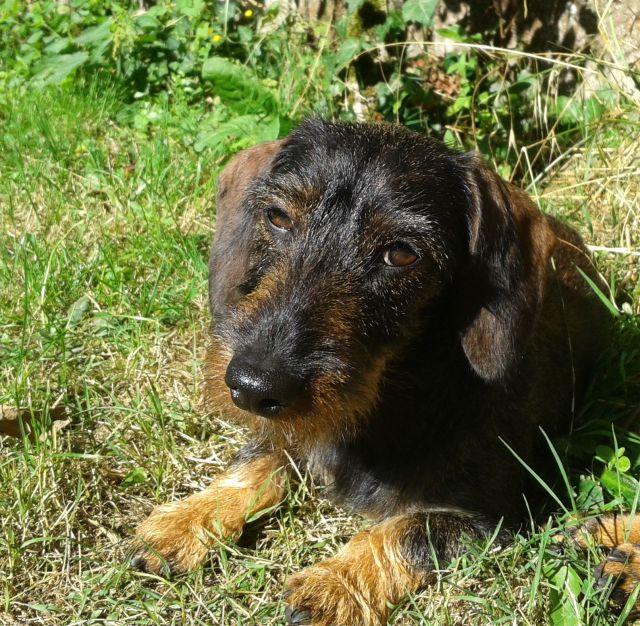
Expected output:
(279, 219)
(400, 254)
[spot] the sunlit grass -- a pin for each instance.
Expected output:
(103, 244)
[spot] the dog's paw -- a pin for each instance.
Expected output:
(175, 538)
(332, 594)
(622, 568)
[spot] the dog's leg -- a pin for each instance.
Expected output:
(620, 534)
(178, 535)
(378, 566)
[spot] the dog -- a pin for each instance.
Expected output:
(403, 324)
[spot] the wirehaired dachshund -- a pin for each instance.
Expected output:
(403, 324)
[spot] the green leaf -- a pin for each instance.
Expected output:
(604, 453)
(57, 46)
(148, 22)
(246, 130)
(53, 70)
(620, 485)
(95, 34)
(578, 112)
(565, 608)
(134, 477)
(243, 126)
(590, 494)
(97, 39)
(461, 103)
(348, 51)
(454, 33)
(394, 22)
(519, 87)
(77, 310)
(268, 130)
(238, 87)
(623, 464)
(190, 8)
(421, 11)
(450, 140)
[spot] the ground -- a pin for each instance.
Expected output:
(103, 310)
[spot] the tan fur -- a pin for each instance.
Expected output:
(608, 531)
(182, 532)
(330, 416)
(215, 392)
(354, 587)
(621, 535)
(622, 567)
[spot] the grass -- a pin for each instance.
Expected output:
(103, 244)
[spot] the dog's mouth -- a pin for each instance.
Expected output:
(291, 407)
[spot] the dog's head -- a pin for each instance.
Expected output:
(335, 247)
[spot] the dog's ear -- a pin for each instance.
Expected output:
(510, 245)
(230, 257)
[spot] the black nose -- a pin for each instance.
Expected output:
(260, 390)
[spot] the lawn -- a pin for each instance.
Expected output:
(105, 226)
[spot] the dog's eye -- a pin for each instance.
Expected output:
(279, 219)
(400, 254)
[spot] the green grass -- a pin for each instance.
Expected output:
(103, 245)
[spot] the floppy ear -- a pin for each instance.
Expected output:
(510, 245)
(230, 258)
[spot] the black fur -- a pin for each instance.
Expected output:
(485, 341)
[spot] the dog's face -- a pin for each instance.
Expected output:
(333, 250)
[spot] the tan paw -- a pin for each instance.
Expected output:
(355, 587)
(176, 537)
(331, 594)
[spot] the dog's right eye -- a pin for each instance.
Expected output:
(279, 219)
(400, 254)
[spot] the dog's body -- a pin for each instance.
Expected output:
(402, 322)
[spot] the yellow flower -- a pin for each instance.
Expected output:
(248, 13)
(216, 38)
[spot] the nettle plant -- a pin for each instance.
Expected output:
(244, 73)
(152, 49)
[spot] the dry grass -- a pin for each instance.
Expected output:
(599, 186)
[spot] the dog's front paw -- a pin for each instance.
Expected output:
(331, 594)
(355, 587)
(175, 538)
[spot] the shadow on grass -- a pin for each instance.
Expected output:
(603, 452)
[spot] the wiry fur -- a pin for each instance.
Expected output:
(177, 536)
(620, 534)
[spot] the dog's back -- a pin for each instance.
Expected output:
(574, 328)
